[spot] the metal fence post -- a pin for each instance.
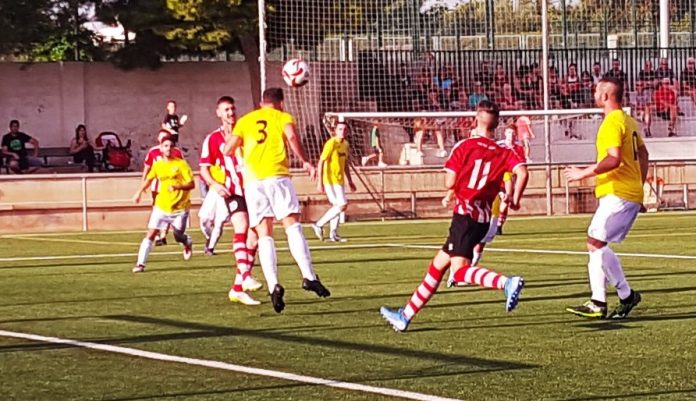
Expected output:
(567, 198)
(85, 227)
(413, 204)
(686, 196)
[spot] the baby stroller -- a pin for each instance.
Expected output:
(116, 157)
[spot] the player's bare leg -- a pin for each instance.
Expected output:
(144, 250)
(300, 252)
(331, 216)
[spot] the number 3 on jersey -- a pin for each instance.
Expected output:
(262, 131)
(478, 178)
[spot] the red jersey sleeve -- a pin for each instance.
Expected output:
(455, 161)
(513, 160)
(206, 158)
(150, 158)
(176, 152)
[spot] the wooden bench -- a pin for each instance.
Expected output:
(61, 152)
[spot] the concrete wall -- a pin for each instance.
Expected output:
(51, 99)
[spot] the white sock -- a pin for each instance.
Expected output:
(144, 251)
(215, 234)
(476, 259)
(333, 224)
(598, 278)
(300, 250)
(615, 273)
(334, 211)
(206, 227)
(267, 259)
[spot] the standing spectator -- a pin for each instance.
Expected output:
(688, 79)
(664, 71)
(617, 72)
(377, 149)
(82, 148)
(643, 105)
(666, 104)
(14, 148)
(477, 95)
(648, 76)
(525, 135)
(596, 73)
(172, 122)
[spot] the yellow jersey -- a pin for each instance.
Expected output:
(263, 143)
(495, 207)
(171, 172)
(619, 130)
(334, 155)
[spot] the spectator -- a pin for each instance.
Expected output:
(664, 71)
(500, 78)
(461, 102)
(648, 76)
(585, 94)
(572, 80)
(596, 73)
(14, 148)
(688, 79)
(617, 72)
(377, 149)
(172, 122)
(82, 148)
(444, 85)
(422, 85)
(666, 104)
(554, 88)
(485, 76)
(434, 125)
(477, 95)
(507, 100)
(406, 98)
(525, 134)
(643, 105)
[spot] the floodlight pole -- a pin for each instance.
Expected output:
(545, 79)
(262, 45)
(664, 27)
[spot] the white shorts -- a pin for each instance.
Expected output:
(613, 219)
(336, 194)
(272, 197)
(492, 230)
(214, 208)
(159, 219)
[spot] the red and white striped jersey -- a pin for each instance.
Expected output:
(155, 154)
(479, 165)
(515, 147)
(212, 155)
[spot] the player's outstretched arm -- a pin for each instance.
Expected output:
(294, 141)
(143, 186)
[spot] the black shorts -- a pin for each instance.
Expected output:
(236, 203)
(663, 115)
(464, 234)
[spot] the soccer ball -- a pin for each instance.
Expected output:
(296, 73)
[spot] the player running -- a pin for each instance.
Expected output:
(333, 172)
(475, 170)
(172, 202)
(154, 154)
(263, 135)
(620, 171)
(225, 201)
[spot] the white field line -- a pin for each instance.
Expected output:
(228, 366)
(68, 240)
(353, 246)
(554, 252)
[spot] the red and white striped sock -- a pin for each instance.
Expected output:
(480, 276)
(241, 255)
(251, 252)
(424, 292)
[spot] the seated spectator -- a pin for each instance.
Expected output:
(422, 85)
(485, 76)
(664, 71)
(584, 97)
(82, 148)
(500, 78)
(554, 88)
(644, 105)
(443, 82)
(507, 100)
(572, 79)
(477, 95)
(461, 101)
(688, 79)
(14, 148)
(648, 76)
(666, 104)
(596, 73)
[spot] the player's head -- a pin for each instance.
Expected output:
(609, 90)
(274, 97)
(162, 135)
(487, 115)
(80, 131)
(341, 129)
(171, 107)
(166, 146)
(510, 133)
(14, 126)
(226, 110)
